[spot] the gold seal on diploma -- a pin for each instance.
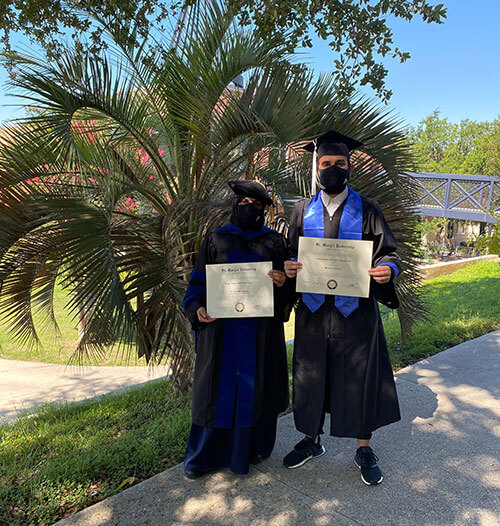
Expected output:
(239, 307)
(332, 284)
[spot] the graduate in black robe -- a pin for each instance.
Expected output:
(241, 375)
(341, 364)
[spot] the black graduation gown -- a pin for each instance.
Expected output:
(354, 382)
(218, 386)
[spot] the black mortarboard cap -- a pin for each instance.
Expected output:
(253, 189)
(333, 143)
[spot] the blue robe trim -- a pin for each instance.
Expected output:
(188, 300)
(235, 395)
(351, 227)
(198, 275)
(247, 234)
(196, 289)
(314, 226)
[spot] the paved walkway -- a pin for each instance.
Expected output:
(25, 385)
(441, 465)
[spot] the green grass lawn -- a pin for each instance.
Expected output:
(462, 305)
(51, 463)
(58, 348)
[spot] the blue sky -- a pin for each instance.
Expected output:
(453, 66)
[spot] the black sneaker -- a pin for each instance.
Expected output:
(257, 459)
(193, 475)
(366, 460)
(305, 450)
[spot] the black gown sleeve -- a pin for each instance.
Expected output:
(294, 232)
(294, 229)
(384, 253)
(384, 243)
(196, 293)
(283, 296)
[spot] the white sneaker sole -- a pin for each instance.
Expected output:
(307, 459)
(362, 478)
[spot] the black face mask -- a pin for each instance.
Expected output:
(248, 216)
(333, 179)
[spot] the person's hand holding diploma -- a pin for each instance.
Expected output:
(278, 277)
(203, 316)
(381, 274)
(291, 268)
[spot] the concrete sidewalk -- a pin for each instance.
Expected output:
(25, 385)
(441, 465)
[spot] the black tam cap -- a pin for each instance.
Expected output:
(251, 189)
(333, 143)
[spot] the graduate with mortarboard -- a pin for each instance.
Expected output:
(341, 364)
(240, 380)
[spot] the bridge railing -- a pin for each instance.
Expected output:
(453, 196)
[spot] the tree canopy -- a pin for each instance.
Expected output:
(468, 147)
(113, 180)
(358, 31)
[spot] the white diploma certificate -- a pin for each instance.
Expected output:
(334, 266)
(240, 290)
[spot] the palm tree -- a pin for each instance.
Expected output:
(111, 183)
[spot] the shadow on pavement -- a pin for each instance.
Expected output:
(441, 465)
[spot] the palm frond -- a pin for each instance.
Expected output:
(109, 186)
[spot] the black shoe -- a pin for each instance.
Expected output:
(305, 450)
(194, 474)
(366, 460)
(257, 459)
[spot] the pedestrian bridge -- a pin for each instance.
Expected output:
(471, 197)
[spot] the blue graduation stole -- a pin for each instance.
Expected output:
(351, 227)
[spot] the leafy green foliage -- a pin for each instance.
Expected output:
(466, 148)
(358, 32)
(48, 22)
(461, 306)
(433, 226)
(491, 240)
(122, 167)
(52, 462)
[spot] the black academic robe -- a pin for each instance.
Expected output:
(341, 364)
(221, 356)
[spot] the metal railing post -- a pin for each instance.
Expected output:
(447, 189)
